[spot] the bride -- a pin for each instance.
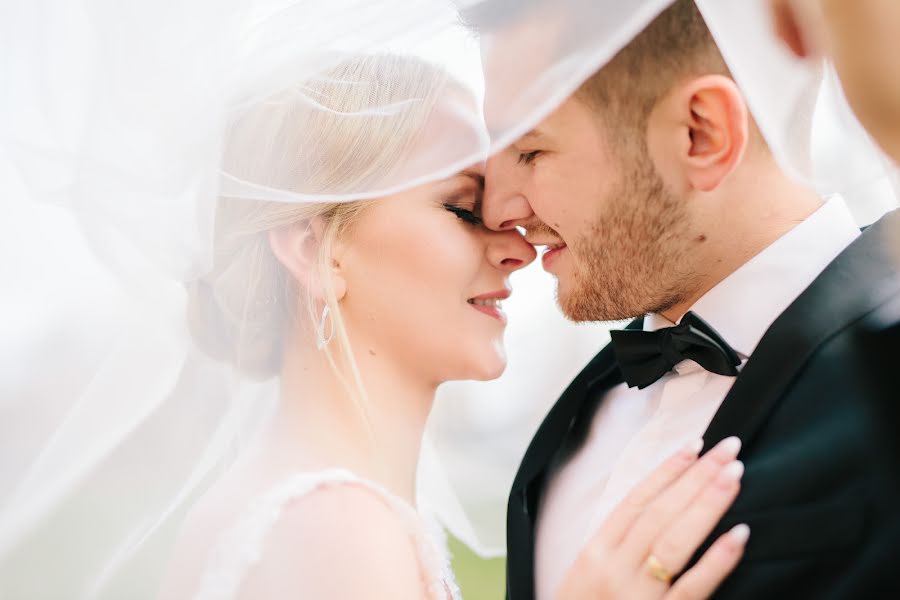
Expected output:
(360, 310)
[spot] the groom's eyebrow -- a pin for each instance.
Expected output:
(534, 134)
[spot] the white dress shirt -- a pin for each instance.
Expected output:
(634, 430)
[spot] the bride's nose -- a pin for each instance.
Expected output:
(508, 251)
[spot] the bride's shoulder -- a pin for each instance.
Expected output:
(336, 536)
(321, 504)
(311, 534)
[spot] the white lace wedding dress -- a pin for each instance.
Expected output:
(240, 547)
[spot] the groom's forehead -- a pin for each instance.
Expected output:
(516, 60)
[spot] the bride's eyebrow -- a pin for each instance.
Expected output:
(462, 185)
(475, 176)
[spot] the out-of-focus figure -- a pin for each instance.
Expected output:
(862, 38)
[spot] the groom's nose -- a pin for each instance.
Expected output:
(504, 205)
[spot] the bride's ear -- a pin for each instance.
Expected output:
(296, 247)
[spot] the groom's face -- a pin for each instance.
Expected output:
(616, 237)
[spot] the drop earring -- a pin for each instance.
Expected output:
(321, 340)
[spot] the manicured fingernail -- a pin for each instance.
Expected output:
(732, 472)
(693, 448)
(740, 534)
(730, 446)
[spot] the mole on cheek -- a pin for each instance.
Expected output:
(701, 238)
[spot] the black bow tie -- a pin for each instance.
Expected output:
(645, 356)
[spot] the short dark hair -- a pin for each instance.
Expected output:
(677, 44)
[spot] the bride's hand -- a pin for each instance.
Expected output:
(654, 531)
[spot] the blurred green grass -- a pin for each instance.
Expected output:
(478, 578)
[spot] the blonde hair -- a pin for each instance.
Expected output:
(318, 138)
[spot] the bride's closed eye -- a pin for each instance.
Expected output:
(459, 205)
(464, 214)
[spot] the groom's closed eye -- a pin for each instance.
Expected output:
(535, 137)
(526, 158)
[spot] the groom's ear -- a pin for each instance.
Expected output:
(704, 125)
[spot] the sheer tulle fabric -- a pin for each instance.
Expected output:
(123, 126)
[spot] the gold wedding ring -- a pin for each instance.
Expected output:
(658, 571)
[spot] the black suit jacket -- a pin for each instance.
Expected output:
(879, 351)
(818, 490)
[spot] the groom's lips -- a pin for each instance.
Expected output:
(551, 253)
(554, 246)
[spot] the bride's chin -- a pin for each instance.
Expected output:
(495, 374)
(490, 369)
(478, 362)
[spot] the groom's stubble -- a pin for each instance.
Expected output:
(640, 254)
(635, 258)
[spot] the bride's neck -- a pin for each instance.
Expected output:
(323, 422)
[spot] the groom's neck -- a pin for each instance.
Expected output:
(756, 208)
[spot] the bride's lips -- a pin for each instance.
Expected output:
(489, 304)
(551, 254)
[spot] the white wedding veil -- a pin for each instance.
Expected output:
(123, 126)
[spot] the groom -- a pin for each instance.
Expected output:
(659, 201)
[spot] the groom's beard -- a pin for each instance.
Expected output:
(635, 257)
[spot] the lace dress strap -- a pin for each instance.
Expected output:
(241, 547)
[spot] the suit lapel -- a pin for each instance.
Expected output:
(560, 419)
(860, 279)
(577, 400)
(599, 375)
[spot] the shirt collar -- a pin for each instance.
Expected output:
(743, 306)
